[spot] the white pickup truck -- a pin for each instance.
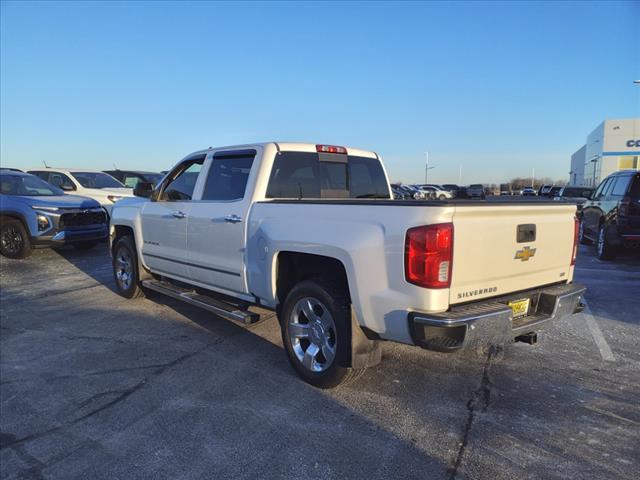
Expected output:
(311, 232)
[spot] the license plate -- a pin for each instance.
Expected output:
(519, 307)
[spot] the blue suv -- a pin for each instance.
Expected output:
(34, 213)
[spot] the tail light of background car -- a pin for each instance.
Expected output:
(627, 207)
(429, 255)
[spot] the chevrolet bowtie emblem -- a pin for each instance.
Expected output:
(525, 254)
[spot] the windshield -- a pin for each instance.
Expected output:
(153, 178)
(29, 185)
(96, 180)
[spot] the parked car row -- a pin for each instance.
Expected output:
(427, 191)
(55, 206)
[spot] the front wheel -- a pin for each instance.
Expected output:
(14, 240)
(125, 268)
(604, 248)
(442, 197)
(316, 332)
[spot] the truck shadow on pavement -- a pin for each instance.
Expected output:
(158, 388)
(96, 385)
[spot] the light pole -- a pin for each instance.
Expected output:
(594, 160)
(533, 177)
(426, 169)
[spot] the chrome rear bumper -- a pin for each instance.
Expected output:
(491, 322)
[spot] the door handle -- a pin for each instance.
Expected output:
(232, 219)
(179, 214)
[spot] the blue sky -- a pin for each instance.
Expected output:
(495, 87)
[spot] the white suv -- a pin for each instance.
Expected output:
(89, 183)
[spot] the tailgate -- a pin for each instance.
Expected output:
(489, 259)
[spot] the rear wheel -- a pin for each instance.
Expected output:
(125, 268)
(316, 332)
(14, 240)
(604, 248)
(581, 236)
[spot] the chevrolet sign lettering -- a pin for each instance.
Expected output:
(525, 254)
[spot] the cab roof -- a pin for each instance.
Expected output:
(291, 147)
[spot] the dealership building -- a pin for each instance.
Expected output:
(614, 145)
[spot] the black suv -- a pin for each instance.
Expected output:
(611, 216)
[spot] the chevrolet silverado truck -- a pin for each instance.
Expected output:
(312, 233)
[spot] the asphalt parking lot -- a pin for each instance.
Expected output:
(94, 386)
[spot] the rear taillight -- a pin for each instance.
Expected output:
(428, 255)
(623, 206)
(576, 228)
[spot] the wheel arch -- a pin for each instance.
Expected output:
(119, 231)
(11, 215)
(292, 267)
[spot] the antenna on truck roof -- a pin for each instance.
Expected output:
(45, 164)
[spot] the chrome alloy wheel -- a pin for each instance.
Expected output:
(312, 334)
(124, 268)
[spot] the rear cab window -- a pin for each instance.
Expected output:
(314, 175)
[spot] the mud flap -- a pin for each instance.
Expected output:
(364, 352)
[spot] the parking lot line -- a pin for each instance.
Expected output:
(598, 337)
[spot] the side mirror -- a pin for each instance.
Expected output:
(143, 189)
(67, 187)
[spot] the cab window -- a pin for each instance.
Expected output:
(61, 180)
(601, 188)
(620, 187)
(228, 175)
(182, 181)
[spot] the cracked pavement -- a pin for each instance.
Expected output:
(95, 386)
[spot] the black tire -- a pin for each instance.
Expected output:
(338, 305)
(581, 236)
(84, 245)
(604, 249)
(14, 239)
(125, 262)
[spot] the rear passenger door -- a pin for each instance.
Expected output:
(614, 195)
(593, 209)
(217, 222)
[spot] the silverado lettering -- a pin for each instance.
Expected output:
(475, 293)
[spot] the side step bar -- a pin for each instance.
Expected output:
(223, 309)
